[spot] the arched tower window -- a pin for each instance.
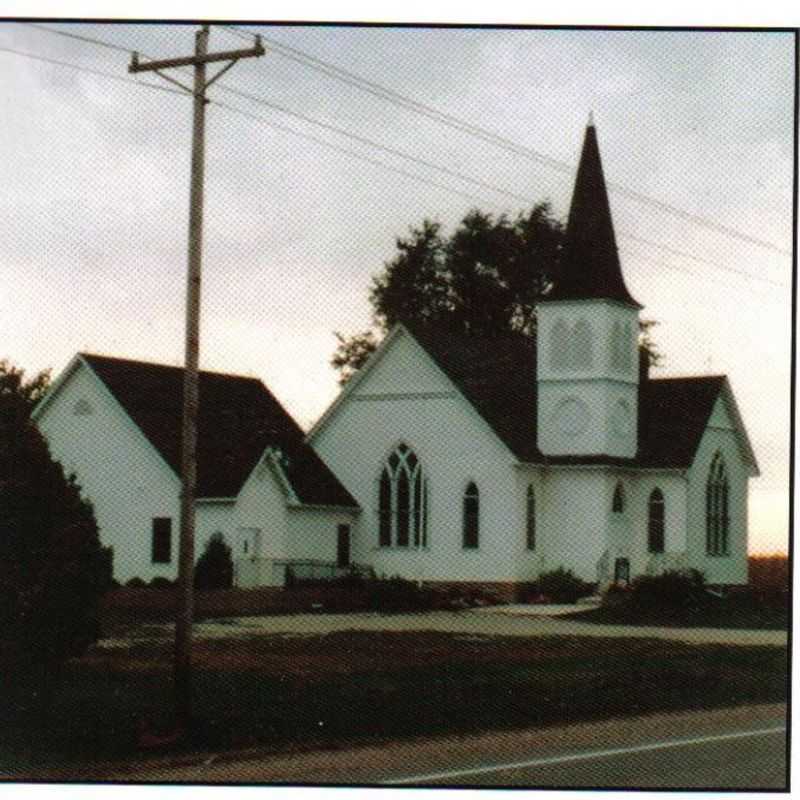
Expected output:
(582, 345)
(655, 522)
(472, 509)
(628, 348)
(402, 501)
(618, 502)
(717, 521)
(618, 347)
(559, 345)
(530, 519)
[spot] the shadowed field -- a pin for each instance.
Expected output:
(289, 691)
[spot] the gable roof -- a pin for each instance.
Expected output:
(590, 267)
(239, 420)
(498, 377)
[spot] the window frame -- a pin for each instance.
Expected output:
(402, 501)
(618, 499)
(161, 540)
(717, 508)
(656, 522)
(530, 519)
(471, 517)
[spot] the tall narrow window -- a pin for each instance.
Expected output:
(402, 505)
(628, 348)
(162, 540)
(385, 508)
(559, 345)
(717, 520)
(655, 522)
(582, 345)
(530, 519)
(472, 510)
(419, 501)
(617, 347)
(403, 508)
(618, 503)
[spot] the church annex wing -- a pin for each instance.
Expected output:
(241, 423)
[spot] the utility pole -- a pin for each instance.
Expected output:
(183, 620)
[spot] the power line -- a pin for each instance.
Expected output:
(89, 70)
(395, 152)
(633, 255)
(476, 181)
(367, 159)
(344, 150)
(80, 38)
(378, 90)
(701, 260)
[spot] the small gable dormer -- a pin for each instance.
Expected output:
(587, 332)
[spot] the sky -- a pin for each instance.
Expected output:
(94, 201)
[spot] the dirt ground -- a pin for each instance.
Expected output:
(307, 657)
(472, 623)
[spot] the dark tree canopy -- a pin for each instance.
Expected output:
(53, 569)
(484, 279)
(20, 394)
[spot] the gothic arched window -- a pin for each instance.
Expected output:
(530, 519)
(472, 512)
(628, 348)
(402, 501)
(618, 347)
(717, 508)
(559, 345)
(655, 522)
(618, 503)
(582, 345)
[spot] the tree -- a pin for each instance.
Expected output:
(485, 279)
(20, 394)
(214, 569)
(53, 569)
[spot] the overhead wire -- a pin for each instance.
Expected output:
(475, 181)
(378, 90)
(90, 70)
(368, 142)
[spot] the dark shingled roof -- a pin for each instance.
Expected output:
(590, 267)
(498, 377)
(239, 419)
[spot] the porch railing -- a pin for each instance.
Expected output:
(311, 570)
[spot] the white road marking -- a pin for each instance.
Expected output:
(585, 756)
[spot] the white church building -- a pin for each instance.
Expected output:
(445, 459)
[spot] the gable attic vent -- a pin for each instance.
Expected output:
(82, 408)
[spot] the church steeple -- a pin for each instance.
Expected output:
(590, 268)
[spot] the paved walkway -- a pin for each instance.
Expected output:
(466, 622)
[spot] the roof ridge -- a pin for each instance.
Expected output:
(145, 363)
(717, 376)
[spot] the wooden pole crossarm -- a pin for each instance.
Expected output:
(187, 89)
(211, 80)
(190, 61)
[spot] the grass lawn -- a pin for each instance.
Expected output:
(320, 690)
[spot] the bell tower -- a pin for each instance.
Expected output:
(587, 333)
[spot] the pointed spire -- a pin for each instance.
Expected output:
(590, 267)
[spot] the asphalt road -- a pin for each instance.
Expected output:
(740, 748)
(752, 759)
